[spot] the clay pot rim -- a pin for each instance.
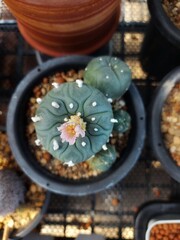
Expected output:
(66, 13)
(64, 4)
(156, 137)
(54, 183)
(163, 22)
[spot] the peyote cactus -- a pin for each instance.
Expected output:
(11, 191)
(103, 160)
(109, 74)
(123, 121)
(75, 120)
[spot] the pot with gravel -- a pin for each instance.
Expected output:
(165, 123)
(84, 125)
(158, 220)
(160, 51)
(22, 202)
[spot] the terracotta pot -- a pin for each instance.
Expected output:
(66, 27)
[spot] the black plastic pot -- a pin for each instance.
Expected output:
(163, 23)
(153, 211)
(156, 137)
(160, 51)
(27, 161)
(21, 233)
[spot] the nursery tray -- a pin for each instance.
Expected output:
(110, 213)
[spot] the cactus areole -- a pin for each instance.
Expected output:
(75, 119)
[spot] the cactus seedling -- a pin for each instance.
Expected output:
(110, 75)
(74, 121)
(103, 160)
(11, 191)
(123, 121)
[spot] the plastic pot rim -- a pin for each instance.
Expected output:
(156, 137)
(21, 233)
(163, 22)
(74, 188)
(151, 211)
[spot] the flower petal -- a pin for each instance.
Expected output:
(79, 131)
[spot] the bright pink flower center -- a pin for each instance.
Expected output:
(72, 129)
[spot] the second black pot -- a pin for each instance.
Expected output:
(156, 136)
(150, 212)
(160, 52)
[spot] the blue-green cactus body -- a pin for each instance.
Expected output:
(109, 74)
(124, 121)
(83, 103)
(103, 160)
